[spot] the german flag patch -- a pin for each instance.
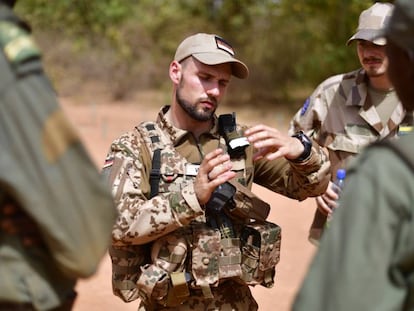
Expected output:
(108, 162)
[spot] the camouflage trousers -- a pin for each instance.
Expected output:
(229, 296)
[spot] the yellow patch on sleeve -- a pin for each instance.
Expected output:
(17, 44)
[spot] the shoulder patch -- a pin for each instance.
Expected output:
(305, 106)
(404, 130)
(17, 44)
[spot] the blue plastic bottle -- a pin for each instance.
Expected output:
(340, 180)
(337, 187)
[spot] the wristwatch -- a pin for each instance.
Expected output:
(307, 144)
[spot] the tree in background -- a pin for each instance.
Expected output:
(288, 45)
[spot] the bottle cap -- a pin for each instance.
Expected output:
(340, 174)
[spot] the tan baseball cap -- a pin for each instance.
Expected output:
(371, 22)
(211, 49)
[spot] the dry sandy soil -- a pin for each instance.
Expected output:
(100, 122)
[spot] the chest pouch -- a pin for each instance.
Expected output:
(164, 281)
(153, 284)
(126, 263)
(260, 245)
(205, 257)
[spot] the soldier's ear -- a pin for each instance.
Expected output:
(175, 72)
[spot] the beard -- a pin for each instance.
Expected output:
(374, 72)
(376, 69)
(195, 110)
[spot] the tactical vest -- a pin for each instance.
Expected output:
(198, 256)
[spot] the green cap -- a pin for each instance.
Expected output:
(211, 49)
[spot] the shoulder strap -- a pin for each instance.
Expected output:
(155, 174)
(150, 133)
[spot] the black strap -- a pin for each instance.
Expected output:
(155, 174)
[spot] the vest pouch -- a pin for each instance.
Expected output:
(248, 205)
(260, 246)
(169, 253)
(205, 257)
(126, 263)
(153, 284)
(230, 259)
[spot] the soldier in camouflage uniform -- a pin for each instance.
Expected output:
(50, 191)
(348, 111)
(176, 261)
(366, 262)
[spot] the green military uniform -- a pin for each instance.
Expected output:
(175, 209)
(344, 115)
(56, 213)
(366, 260)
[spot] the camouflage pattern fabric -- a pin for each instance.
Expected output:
(205, 257)
(126, 269)
(340, 116)
(229, 296)
(261, 252)
(145, 221)
(230, 258)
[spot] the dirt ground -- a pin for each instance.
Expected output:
(100, 122)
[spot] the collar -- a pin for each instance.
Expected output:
(357, 93)
(164, 121)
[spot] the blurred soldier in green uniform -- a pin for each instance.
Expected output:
(56, 213)
(349, 111)
(202, 233)
(366, 258)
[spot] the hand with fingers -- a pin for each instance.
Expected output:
(215, 169)
(327, 202)
(271, 143)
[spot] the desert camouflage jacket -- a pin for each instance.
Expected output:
(340, 116)
(142, 219)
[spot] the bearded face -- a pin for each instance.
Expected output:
(196, 108)
(372, 58)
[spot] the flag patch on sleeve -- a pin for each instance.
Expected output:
(305, 106)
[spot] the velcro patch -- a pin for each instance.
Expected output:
(18, 45)
(224, 45)
(305, 106)
(108, 161)
(404, 130)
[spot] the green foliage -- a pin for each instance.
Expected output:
(128, 44)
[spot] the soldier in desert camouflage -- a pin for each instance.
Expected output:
(173, 246)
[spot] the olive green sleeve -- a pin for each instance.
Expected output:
(364, 261)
